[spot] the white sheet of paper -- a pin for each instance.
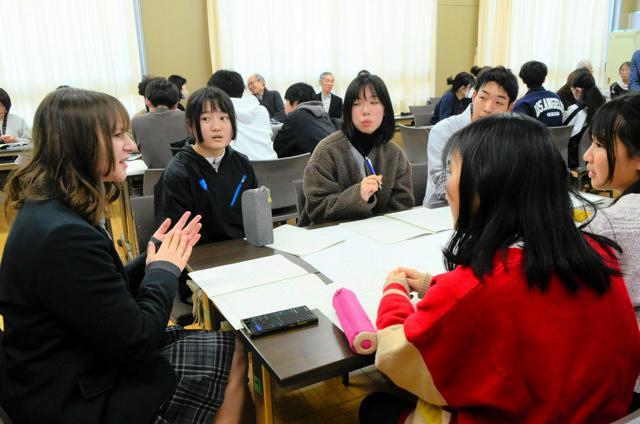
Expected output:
(433, 220)
(136, 167)
(300, 242)
(243, 275)
(306, 290)
(385, 230)
(363, 266)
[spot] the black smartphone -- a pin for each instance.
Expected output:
(280, 320)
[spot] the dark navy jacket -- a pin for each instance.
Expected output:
(544, 105)
(190, 183)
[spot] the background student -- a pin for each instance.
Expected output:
(539, 103)
(621, 86)
(521, 326)
(356, 172)
(162, 125)
(181, 83)
(455, 100)
(495, 91)
(253, 130)
(306, 123)
(12, 127)
(588, 100)
(86, 337)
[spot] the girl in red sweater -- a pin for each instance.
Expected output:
(532, 323)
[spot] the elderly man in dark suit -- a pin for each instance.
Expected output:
(270, 99)
(332, 103)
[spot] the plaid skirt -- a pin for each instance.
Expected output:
(201, 361)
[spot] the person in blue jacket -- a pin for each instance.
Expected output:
(455, 100)
(634, 78)
(539, 103)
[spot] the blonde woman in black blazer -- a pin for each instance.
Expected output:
(85, 337)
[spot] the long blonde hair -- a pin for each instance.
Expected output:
(72, 132)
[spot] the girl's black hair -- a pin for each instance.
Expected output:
(513, 188)
(178, 81)
(619, 118)
(591, 96)
(217, 99)
(6, 102)
(461, 80)
(354, 91)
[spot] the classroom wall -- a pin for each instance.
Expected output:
(176, 40)
(456, 39)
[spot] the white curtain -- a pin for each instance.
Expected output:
(85, 44)
(289, 41)
(557, 32)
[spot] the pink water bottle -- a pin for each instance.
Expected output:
(355, 322)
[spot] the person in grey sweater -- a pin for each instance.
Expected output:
(356, 172)
(613, 162)
(156, 130)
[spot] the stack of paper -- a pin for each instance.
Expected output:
(306, 290)
(301, 242)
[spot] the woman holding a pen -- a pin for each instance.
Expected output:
(208, 177)
(356, 172)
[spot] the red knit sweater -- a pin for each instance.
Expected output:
(497, 351)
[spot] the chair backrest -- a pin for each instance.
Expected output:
(415, 143)
(419, 173)
(298, 188)
(278, 176)
(144, 219)
(561, 136)
(150, 179)
(428, 108)
(433, 100)
(585, 142)
(422, 119)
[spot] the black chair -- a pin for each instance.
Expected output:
(415, 143)
(419, 173)
(278, 175)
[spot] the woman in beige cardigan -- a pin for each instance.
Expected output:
(356, 173)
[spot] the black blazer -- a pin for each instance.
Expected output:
(81, 330)
(273, 102)
(335, 108)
